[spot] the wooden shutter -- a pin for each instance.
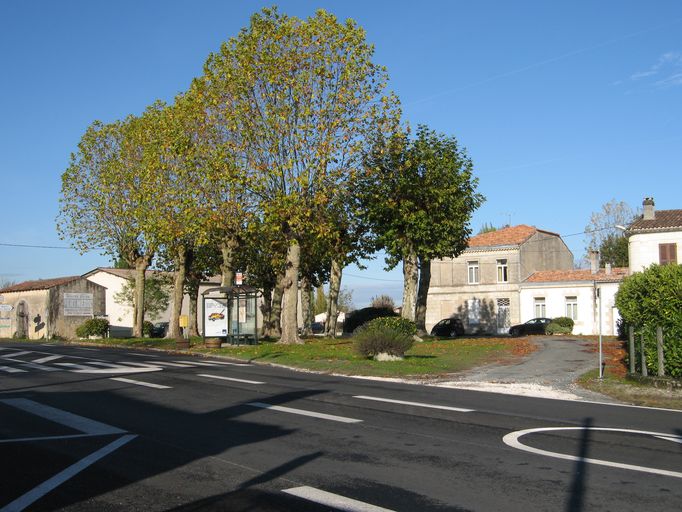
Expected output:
(667, 254)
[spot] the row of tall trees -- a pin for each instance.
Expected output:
(287, 158)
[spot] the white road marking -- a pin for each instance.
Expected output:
(229, 378)
(416, 404)
(140, 355)
(512, 440)
(43, 438)
(196, 363)
(9, 369)
(79, 368)
(46, 359)
(301, 412)
(36, 366)
(231, 364)
(140, 383)
(122, 364)
(174, 365)
(90, 349)
(84, 425)
(333, 500)
(16, 354)
(673, 439)
(48, 485)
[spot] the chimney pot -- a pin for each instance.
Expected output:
(649, 210)
(608, 269)
(594, 261)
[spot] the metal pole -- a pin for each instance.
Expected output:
(659, 346)
(645, 372)
(601, 368)
(631, 336)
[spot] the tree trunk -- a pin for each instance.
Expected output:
(174, 331)
(193, 311)
(229, 249)
(290, 302)
(141, 265)
(333, 302)
(275, 327)
(306, 306)
(410, 278)
(266, 311)
(422, 294)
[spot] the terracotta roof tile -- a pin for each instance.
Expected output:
(513, 235)
(556, 276)
(39, 284)
(664, 219)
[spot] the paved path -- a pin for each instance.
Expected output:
(549, 371)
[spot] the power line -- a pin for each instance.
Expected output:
(5, 244)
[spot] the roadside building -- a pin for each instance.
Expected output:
(481, 286)
(48, 308)
(655, 237)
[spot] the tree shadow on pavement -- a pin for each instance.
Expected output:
(576, 499)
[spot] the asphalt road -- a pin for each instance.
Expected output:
(107, 429)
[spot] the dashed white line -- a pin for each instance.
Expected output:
(166, 363)
(9, 369)
(80, 368)
(47, 359)
(140, 383)
(196, 363)
(89, 349)
(230, 364)
(140, 355)
(302, 412)
(232, 379)
(16, 354)
(333, 500)
(416, 404)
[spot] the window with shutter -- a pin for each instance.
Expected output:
(667, 254)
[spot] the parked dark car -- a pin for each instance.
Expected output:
(448, 328)
(160, 330)
(533, 326)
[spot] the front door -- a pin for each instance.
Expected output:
(503, 322)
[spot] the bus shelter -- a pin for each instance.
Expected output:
(231, 313)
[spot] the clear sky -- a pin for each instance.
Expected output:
(562, 106)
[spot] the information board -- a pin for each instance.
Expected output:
(215, 318)
(78, 304)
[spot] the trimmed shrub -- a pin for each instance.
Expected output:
(93, 327)
(147, 329)
(564, 321)
(356, 318)
(372, 340)
(555, 328)
(397, 323)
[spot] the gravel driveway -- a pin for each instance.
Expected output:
(549, 372)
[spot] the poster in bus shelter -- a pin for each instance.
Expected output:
(215, 318)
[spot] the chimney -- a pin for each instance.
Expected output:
(608, 269)
(594, 261)
(649, 211)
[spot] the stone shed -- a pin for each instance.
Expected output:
(49, 307)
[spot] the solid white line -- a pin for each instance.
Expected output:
(196, 363)
(140, 383)
(333, 500)
(43, 438)
(36, 366)
(90, 349)
(416, 404)
(85, 425)
(16, 354)
(673, 439)
(46, 359)
(229, 378)
(9, 369)
(512, 440)
(140, 355)
(230, 364)
(48, 485)
(301, 412)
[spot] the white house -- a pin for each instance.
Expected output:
(583, 295)
(655, 237)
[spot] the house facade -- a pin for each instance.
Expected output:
(586, 296)
(481, 286)
(49, 307)
(656, 237)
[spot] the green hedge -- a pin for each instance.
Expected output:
(564, 321)
(370, 340)
(93, 327)
(356, 318)
(394, 322)
(555, 328)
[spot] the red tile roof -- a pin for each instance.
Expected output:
(40, 284)
(556, 276)
(513, 235)
(663, 220)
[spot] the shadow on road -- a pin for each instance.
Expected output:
(578, 490)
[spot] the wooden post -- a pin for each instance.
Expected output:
(644, 370)
(631, 337)
(659, 346)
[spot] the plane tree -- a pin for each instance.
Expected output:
(298, 97)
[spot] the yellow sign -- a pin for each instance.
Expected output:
(184, 321)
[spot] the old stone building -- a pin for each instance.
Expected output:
(49, 307)
(481, 286)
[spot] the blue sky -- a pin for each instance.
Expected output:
(562, 106)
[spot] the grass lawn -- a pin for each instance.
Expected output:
(431, 358)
